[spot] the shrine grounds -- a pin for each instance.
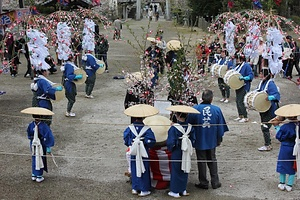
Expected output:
(89, 148)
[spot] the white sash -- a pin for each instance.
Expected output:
(37, 150)
(239, 67)
(266, 87)
(186, 147)
(138, 149)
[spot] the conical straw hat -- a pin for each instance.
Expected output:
(174, 45)
(290, 110)
(183, 109)
(141, 110)
(159, 125)
(37, 111)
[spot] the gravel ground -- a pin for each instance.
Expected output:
(89, 148)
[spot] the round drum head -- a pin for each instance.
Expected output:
(102, 67)
(260, 102)
(222, 70)
(213, 69)
(59, 95)
(234, 81)
(83, 73)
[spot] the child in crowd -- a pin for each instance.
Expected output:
(41, 141)
(181, 136)
(140, 138)
(286, 164)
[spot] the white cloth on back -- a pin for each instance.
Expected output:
(138, 149)
(186, 147)
(37, 149)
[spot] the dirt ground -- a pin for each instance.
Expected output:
(90, 150)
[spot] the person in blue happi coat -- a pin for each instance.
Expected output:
(91, 67)
(210, 127)
(180, 141)
(268, 85)
(286, 166)
(69, 84)
(41, 141)
(246, 74)
(139, 138)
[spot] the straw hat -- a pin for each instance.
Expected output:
(37, 111)
(174, 45)
(183, 109)
(141, 110)
(159, 125)
(290, 110)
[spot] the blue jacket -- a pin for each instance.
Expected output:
(245, 70)
(69, 77)
(45, 92)
(270, 90)
(90, 64)
(209, 126)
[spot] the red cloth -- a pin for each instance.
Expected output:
(160, 167)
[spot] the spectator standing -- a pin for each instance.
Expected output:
(210, 127)
(101, 50)
(118, 27)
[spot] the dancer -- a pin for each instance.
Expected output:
(70, 86)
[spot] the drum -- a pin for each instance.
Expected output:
(218, 70)
(83, 73)
(102, 67)
(232, 78)
(255, 100)
(160, 167)
(59, 95)
(160, 126)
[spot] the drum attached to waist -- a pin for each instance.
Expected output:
(102, 66)
(160, 126)
(232, 78)
(78, 72)
(255, 100)
(59, 95)
(218, 70)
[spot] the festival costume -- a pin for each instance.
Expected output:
(271, 89)
(140, 172)
(41, 137)
(208, 136)
(246, 71)
(43, 92)
(70, 86)
(90, 68)
(285, 164)
(181, 136)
